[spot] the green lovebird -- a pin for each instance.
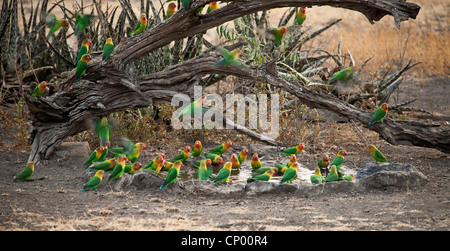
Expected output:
(186, 4)
(197, 149)
(215, 159)
(82, 21)
(119, 168)
(223, 174)
(350, 178)
(262, 177)
(212, 6)
(376, 154)
(184, 155)
(379, 114)
(234, 161)
(132, 168)
(26, 173)
(82, 66)
(264, 169)
(105, 165)
(278, 33)
(221, 149)
(93, 183)
(230, 58)
(193, 108)
(129, 149)
(323, 163)
(293, 150)
(203, 172)
(243, 155)
(40, 89)
(317, 178)
(333, 176)
(172, 174)
(84, 49)
(339, 159)
(54, 24)
(141, 25)
(343, 75)
(281, 167)
(107, 48)
(95, 156)
(255, 163)
(156, 164)
(300, 17)
(292, 160)
(170, 9)
(102, 128)
(290, 174)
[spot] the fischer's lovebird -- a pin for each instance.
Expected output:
(379, 114)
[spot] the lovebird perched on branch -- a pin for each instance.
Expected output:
(255, 163)
(343, 75)
(203, 172)
(26, 173)
(197, 149)
(293, 150)
(278, 33)
(95, 156)
(223, 174)
(300, 17)
(376, 154)
(171, 9)
(84, 49)
(212, 6)
(184, 155)
(40, 89)
(141, 25)
(266, 176)
(220, 149)
(317, 178)
(119, 168)
(172, 174)
(82, 21)
(230, 58)
(290, 174)
(82, 66)
(186, 4)
(379, 114)
(108, 48)
(53, 23)
(93, 183)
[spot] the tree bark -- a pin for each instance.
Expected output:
(110, 86)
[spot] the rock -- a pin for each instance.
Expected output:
(269, 152)
(260, 186)
(383, 175)
(72, 154)
(145, 179)
(330, 188)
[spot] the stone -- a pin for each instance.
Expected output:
(71, 154)
(260, 186)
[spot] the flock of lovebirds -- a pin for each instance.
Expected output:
(125, 161)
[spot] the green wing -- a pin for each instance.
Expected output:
(317, 179)
(379, 156)
(337, 162)
(170, 178)
(81, 68)
(83, 50)
(288, 175)
(217, 150)
(107, 50)
(222, 175)
(378, 116)
(92, 183)
(116, 172)
(289, 151)
(24, 175)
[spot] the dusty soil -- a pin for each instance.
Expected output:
(52, 201)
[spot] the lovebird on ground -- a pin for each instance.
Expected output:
(220, 149)
(40, 89)
(264, 169)
(82, 66)
(105, 165)
(339, 159)
(234, 161)
(379, 114)
(108, 48)
(140, 25)
(290, 174)
(156, 164)
(93, 183)
(300, 17)
(323, 163)
(171, 9)
(119, 168)
(203, 172)
(317, 178)
(134, 154)
(197, 149)
(230, 58)
(196, 107)
(215, 159)
(166, 165)
(278, 33)
(172, 174)
(376, 154)
(262, 177)
(82, 21)
(95, 156)
(132, 168)
(186, 4)
(281, 167)
(212, 6)
(293, 150)
(150, 165)
(255, 163)
(184, 155)
(243, 155)
(333, 176)
(223, 174)
(54, 24)
(292, 160)
(343, 75)
(350, 178)
(26, 173)
(84, 49)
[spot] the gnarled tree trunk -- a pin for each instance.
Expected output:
(109, 86)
